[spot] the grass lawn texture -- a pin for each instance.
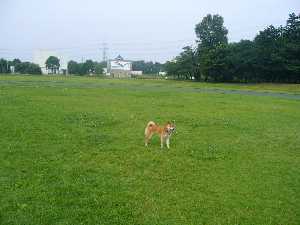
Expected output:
(72, 152)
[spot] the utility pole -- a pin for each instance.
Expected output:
(104, 53)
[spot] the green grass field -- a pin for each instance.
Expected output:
(72, 152)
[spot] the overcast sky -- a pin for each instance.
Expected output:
(137, 29)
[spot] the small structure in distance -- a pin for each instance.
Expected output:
(119, 68)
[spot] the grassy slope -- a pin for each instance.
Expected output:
(73, 154)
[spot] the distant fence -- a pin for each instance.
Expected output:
(148, 76)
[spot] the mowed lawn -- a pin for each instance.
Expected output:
(72, 152)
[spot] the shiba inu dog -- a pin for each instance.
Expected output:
(164, 132)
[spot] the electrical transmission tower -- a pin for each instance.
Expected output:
(104, 52)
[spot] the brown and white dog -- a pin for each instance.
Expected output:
(164, 132)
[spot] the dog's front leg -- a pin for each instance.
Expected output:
(161, 141)
(168, 142)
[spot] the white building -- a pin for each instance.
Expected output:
(119, 67)
(40, 56)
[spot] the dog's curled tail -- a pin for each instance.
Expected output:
(150, 124)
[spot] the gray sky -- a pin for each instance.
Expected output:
(137, 29)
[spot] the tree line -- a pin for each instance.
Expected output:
(88, 67)
(273, 55)
(19, 67)
(93, 67)
(147, 67)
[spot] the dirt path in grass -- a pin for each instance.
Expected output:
(255, 93)
(143, 87)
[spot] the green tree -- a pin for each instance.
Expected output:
(242, 61)
(187, 63)
(291, 50)
(15, 62)
(270, 64)
(211, 32)
(215, 64)
(273, 55)
(28, 68)
(99, 67)
(73, 67)
(292, 28)
(172, 68)
(4, 66)
(147, 67)
(88, 67)
(52, 64)
(183, 66)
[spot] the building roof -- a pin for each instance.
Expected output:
(119, 57)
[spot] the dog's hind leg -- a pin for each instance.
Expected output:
(147, 139)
